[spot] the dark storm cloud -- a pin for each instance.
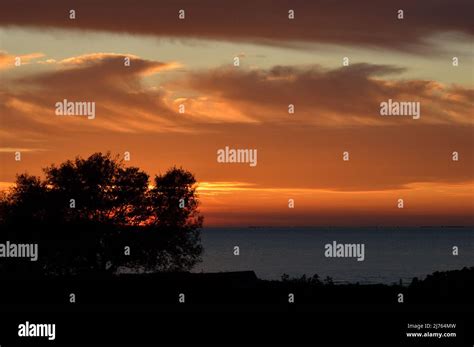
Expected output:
(366, 23)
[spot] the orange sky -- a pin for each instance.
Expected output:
(300, 155)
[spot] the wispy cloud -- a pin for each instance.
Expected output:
(14, 149)
(370, 23)
(346, 96)
(7, 61)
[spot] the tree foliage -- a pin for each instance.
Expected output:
(85, 212)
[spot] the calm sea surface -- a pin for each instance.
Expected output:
(391, 254)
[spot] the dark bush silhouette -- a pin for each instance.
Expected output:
(95, 215)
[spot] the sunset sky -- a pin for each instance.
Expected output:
(300, 61)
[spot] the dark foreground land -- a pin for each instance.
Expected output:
(233, 290)
(113, 309)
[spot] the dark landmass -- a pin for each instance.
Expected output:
(237, 307)
(234, 290)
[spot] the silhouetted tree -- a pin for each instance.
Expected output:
(86, 212)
